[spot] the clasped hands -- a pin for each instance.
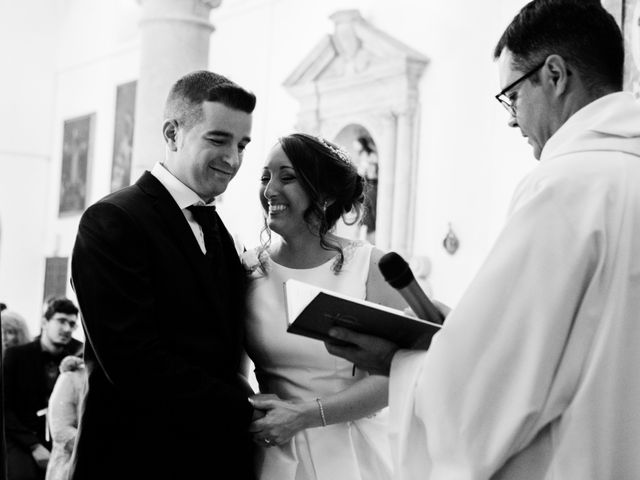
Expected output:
(276, 421)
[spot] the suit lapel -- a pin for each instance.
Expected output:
(178, 227)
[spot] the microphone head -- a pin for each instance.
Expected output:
(395, 270)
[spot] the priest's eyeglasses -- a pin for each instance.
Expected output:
(506, 97)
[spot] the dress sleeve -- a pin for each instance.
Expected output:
(63, 408)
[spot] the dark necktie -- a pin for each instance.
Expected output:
(207, 218)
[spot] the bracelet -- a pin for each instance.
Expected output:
(322, 417)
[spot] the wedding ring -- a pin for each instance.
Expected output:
(267, 441)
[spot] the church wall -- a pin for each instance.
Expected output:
(68, 56)
(84, 90)
(26, 103)
(470, 160)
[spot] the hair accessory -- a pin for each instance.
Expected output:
(336, 150)
(324, 420)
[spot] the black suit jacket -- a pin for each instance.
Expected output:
(162, 356)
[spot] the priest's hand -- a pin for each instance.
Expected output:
(369, 353)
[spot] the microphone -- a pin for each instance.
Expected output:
(398, 274)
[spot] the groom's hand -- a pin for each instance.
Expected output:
(257, 411)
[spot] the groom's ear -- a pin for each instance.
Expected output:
(170, 134)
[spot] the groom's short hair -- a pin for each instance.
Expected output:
(184, 102)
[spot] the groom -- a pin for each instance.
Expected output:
(161, 291)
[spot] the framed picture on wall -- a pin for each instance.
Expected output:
(123, 135)
(77, 150)
(55, 277)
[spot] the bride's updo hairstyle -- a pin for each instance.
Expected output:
(331, 181)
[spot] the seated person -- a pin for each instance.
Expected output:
(30, 372)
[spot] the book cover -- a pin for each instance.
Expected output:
(312, 311)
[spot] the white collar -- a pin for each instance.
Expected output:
(182, 194)
(613, 115)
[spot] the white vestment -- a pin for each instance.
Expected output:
(535, 374)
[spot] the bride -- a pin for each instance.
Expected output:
(323, 419)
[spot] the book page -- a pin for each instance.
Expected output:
(297, 296)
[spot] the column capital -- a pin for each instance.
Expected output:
(190, 11)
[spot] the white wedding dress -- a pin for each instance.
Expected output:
(296, 367)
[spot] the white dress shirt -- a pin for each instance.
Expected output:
(184, 197)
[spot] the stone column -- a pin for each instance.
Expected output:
(402, 216)
(387, 146)
(175, 37)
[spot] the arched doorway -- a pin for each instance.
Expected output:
(360, 87)
(364, 152)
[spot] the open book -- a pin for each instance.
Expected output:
(311, 311)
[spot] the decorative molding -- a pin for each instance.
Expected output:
(360, 75)
(356, 51)
(451, 243)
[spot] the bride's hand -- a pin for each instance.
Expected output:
(283, 419)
